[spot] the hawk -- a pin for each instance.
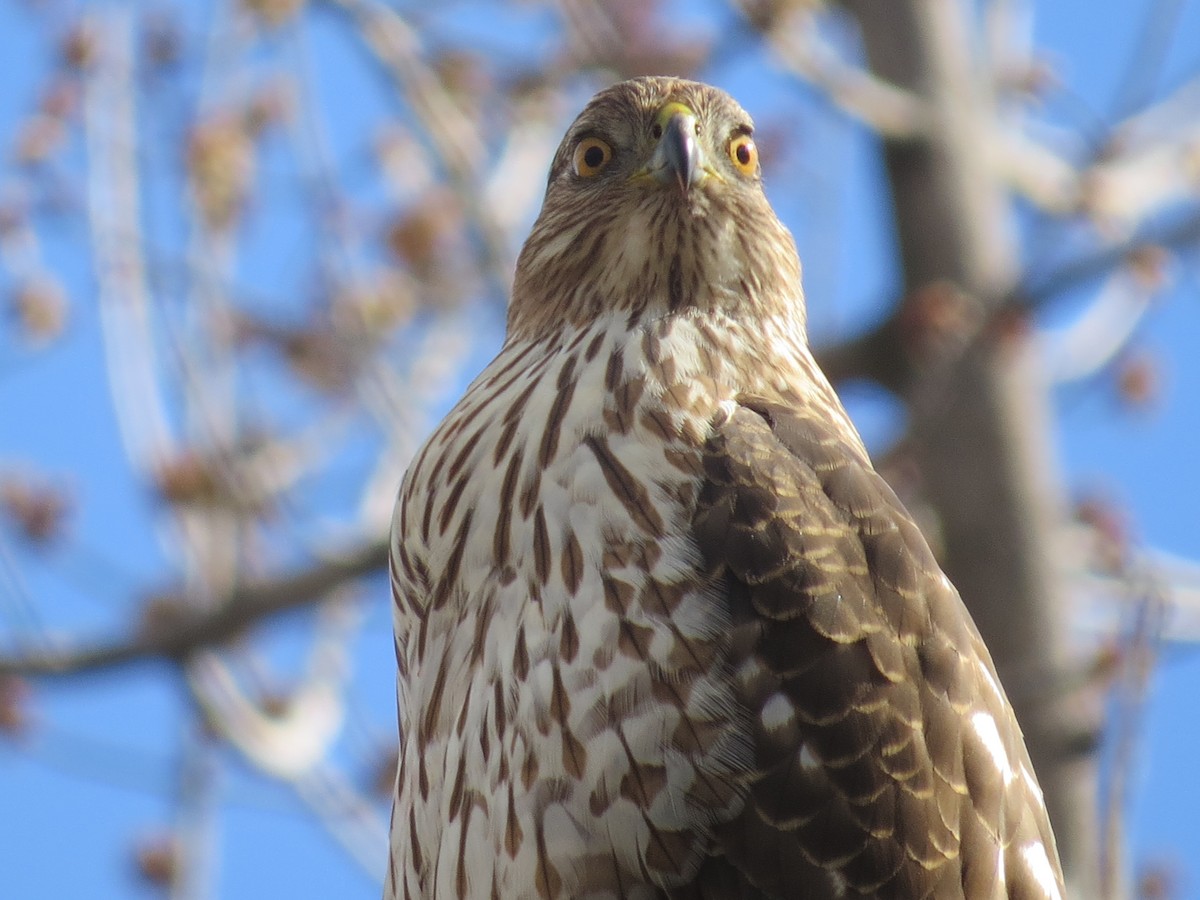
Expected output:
(662, 630)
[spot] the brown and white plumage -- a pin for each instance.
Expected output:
(662, 630)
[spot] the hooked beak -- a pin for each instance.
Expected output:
(678, 158)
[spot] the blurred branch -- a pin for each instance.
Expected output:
(194, 842)
(874, 355)
(890, 352)
(287, 735)
(1160, 25)
(1098, 335)
(350, 818)
(454, 137)
(1037, 289)
(187, 631)
(1147, 611)
(110, 132)
(926, 332)
(1104, 596)
(1145, 162)
(796, 44)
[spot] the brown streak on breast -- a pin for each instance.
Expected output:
(422, 574)
(422, 635)
(641, 783)
(625, 396)
(675, 294)
(501, 543)
(529, 492)
(548, 882)
(593, 347)
(460, 460)
(634, 640)
(499, 709)
(485, 743)
(483, 621)
(600, 800)
(512, 828)
(456, 789)
(658, 422)
(574, 755)
(686, 461)
(427, 518)
(423, 779)
(439, 459)
(461, 724)
(453, 561)
(652, 348)
(450, 507)
(560, 703)
(541, 546)
(568, 641)
(613, 370)
(433, 709)
(414, 839)
(631, 492)
(512, 422)
(572, 562)
(617, 594)
(460, 881)
(521, 656)
(529, 770)
(558, 411)
(392, 872)
(512, 361)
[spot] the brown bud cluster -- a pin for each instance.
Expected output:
(221, 166)
(38, 511)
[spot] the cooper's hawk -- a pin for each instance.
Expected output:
(662, 630)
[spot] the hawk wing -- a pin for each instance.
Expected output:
(886, 759)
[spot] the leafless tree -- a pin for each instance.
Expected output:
(301, 221)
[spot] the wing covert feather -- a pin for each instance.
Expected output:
(866, 679)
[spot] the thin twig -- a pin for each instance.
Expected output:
(1037, 289)
(241, 609)
(888, 110)
(453, 136)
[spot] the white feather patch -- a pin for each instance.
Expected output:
(807, 759)
(989, 735)
(1035, 857)
(776, 712)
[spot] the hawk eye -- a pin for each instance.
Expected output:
(591, 156)
(744, 154)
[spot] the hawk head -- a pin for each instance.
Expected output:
(655, 206)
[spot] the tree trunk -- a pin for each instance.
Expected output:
(981, 424)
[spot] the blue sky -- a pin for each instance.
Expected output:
(100, 769)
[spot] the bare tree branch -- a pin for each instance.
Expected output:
(457, 141)
(1036, 289)
(888, 109)
(1140, 165)
(244, 607)
(884, 354)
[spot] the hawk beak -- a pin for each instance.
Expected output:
(678, 158)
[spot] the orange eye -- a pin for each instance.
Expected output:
(744, 154)
(591, 156)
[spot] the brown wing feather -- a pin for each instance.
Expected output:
(872, 774)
